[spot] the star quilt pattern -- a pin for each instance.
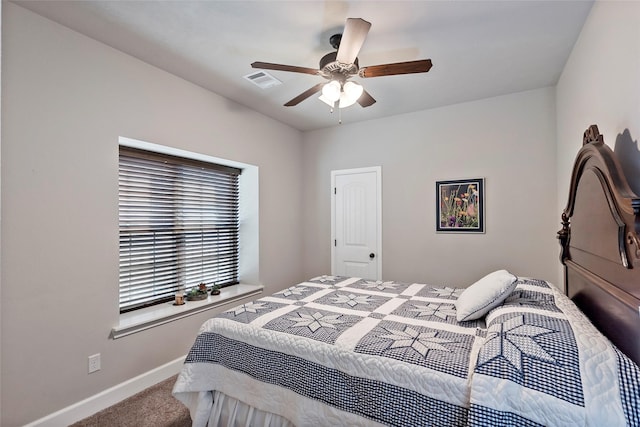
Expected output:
(349, 351)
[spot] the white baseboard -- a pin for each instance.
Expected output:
(111, 396)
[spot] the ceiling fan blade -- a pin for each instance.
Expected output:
(280, 67)
(365, 99)
(355, 31)
(409, 67)
(304, 95)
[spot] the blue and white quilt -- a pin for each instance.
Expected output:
(346, 351)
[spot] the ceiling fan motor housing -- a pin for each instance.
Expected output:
(332, 69)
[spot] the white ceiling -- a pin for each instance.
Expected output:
(479, 48)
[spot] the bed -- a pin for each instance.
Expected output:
(506, 350)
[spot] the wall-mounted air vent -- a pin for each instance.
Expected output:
(262, 79)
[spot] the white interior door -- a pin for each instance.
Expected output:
(356, 223)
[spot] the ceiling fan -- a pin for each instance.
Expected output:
(339, 66)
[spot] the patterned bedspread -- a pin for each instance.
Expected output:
(347, 351)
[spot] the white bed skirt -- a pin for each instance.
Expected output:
(226, 411)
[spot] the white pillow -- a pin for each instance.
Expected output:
(485, 294)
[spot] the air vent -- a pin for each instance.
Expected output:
(262, 79)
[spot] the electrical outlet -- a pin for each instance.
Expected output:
(94, 363)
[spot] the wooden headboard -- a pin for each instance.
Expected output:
(600, 245)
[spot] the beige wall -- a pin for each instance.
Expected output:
(1, 7)
(601, 85)
(508, 140)
(65, 101)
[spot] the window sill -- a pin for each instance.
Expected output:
(150, 317)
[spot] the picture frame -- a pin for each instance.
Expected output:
(460, 206)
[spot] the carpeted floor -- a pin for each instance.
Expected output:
(153, 407)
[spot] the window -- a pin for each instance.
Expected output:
(178, 226)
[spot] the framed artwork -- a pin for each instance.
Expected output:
(460, 206)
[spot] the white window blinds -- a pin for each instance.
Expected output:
(178, 226)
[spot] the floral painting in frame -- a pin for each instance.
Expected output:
(460, 206)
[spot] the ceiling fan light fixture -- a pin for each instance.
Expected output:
(352, 90)
(331, 91)
(347, 94)
(345, 101)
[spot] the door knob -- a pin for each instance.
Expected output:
(372, 255)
